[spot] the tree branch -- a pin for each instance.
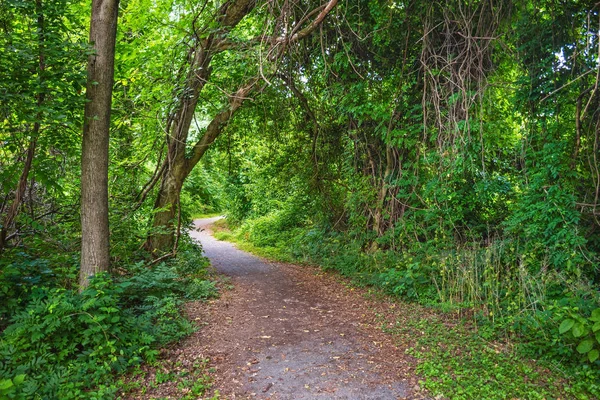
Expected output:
(308, 30)
(218, 123)
(227, 44)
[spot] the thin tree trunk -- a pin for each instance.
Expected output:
(13, 210)
(379, 224)
(162, 239)
(94, 158)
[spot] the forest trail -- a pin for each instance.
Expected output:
(291, 332)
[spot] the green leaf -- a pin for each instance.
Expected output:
(6, 384)
(596, 327)
(585, 346)
(593, 355)
(578, 330)
(566, 325)
(19, 379)
(595, 315)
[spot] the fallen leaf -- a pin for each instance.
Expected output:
(269, 386)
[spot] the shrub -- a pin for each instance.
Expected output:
(64, 344)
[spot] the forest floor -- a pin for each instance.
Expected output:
(282, 331)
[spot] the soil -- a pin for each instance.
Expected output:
(285, 331)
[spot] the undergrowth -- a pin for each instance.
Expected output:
(460, 361)
(192, 379)
(59, 343)
(522, 335)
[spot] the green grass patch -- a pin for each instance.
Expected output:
(224, 233)
(202, 215)
(456, 362)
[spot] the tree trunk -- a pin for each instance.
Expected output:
(13, 210)
(94, 156)
(161, 239)
(167, 201)
(379, 224)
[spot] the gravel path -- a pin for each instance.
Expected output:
(293, 332)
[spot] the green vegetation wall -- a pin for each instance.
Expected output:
(445, 151)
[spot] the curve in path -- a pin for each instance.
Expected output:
(291, 332)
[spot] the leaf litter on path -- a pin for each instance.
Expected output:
(290, 332)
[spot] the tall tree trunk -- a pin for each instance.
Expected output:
(13, 210)
(94, 156)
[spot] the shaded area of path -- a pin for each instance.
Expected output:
(292, 332)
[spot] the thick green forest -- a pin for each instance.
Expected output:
(445, 152)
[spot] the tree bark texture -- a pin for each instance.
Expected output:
(94, 158)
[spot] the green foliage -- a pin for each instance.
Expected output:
(61, 343)
(446, 152)
(545, 219)
(585, 332)
(411, 282)
(460, 363)
(64, 342)
(23, 274)
(42, 74)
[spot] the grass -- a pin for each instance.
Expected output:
(221, 231)
(456, 362)
(454, 357)
(201, 215)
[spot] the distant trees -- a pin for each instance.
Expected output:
(19, 192)
(40, 106)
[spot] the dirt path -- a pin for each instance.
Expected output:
(292, 332)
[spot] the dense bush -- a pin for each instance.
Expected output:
(59, 343)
